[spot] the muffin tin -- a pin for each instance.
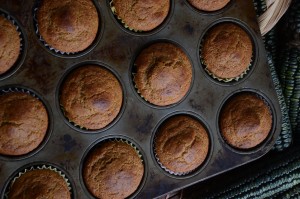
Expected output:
(115, 48)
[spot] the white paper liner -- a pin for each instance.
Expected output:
(41, 38)
(136, 88)
(19, 90)
(38, 167)
(126, 142)
(165, 168)
(226, 80)
(8, 17)
(114, 11)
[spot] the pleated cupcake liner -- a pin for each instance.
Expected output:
(225, 80)
(41, 39)
(21, 55)
(8, 17)
(19, 90)
(114, 11)
(180, 174)
(39, 167)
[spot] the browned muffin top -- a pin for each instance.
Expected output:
(164, 74)
(68, 25)
(113, 170)
(245, 121)
(9, 44)
(40, 184)
(182, 144)
(227, 51)
(91, 97)
(142, 15)
(23, 123)
(209, 5)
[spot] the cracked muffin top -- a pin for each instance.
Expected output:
(9, 45)
(245, 121)
(141, 15)
(181, 144)
(113, 170)
(23, 123)
(69, 25)
(40, 183)
(163, 74)
(91, 97)
(209, 5)
(226, 51)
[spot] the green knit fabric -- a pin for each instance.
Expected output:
(270, 40)
(278, 180)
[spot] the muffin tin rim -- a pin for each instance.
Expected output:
(132, 69)
(96, 143)
(266, 141)
(211, 146)
(67, 72)
(49, 131)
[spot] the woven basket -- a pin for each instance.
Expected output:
(275, 10)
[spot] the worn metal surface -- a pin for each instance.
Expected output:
(42, 72)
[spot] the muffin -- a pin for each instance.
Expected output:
(245, 121)
(141, 15)
(113, 170)
(39, 183)
(68, 26)
(227, 51)
(9, 45)
(181, 144)
(209, 5)
(91, 97)
(163, 74)
(23, 123)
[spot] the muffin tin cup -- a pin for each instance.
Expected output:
(61, 108)
(62, 54)
(23, 46)
(181, 175)
(249, 69)
(267, 140)
(38, 166)
(134, 32)
(21, 89)
(114, 138)
(133, 69)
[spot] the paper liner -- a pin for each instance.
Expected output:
(137, 90)
(36, 26)
(114, 11)
(226, 80)
(8, 17)
(123, 141)
(73, 123)
(21, 36)
(38, 167)
(165, 168)
(19, 90)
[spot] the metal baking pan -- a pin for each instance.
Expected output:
(42, 71)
